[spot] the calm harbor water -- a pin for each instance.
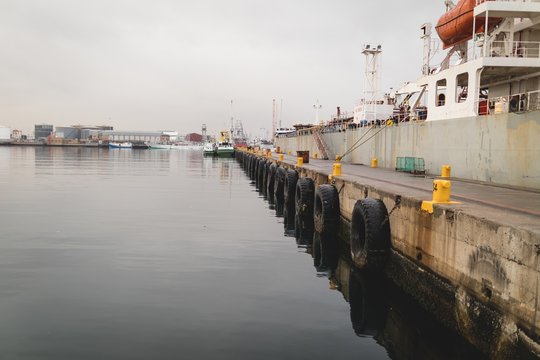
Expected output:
(139, 254)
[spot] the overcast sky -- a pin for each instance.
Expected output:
(176, 64)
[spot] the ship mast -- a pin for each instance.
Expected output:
(232, 119)
(273, 120)
(280, 112)
(371, 87)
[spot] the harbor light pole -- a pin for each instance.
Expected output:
(317, 107)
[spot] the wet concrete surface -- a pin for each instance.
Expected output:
(507, 205)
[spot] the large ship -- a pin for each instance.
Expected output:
(477, 110)
(239, 138)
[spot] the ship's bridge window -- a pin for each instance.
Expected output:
(440, 92)
(462, 83)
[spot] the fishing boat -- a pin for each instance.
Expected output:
(225, 146)
(120, 145)
(239, 138)
(209, 149)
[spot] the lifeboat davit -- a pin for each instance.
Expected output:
(455, 26)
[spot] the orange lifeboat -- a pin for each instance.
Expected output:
(455, 26)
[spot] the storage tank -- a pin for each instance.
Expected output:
(5, 134)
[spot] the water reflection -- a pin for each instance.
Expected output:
(379, 310)
(324, 250)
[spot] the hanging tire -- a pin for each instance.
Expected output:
(270, 179)
(326, 210)
(289, 189)
(278, 189)
(254, 163)
(251, 167)
(265, 178)
(260, 168)
(304, 193)
(370, 234)
(255, 168)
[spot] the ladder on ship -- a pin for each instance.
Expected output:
(321, 144)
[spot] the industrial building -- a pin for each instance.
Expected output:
(42, 131)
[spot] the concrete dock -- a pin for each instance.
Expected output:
(473, 265)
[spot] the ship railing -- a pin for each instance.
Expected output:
(517, 103)
(513, 49)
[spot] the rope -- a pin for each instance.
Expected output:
(357, 141)
(356, 145)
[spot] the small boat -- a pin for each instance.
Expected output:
(209, 149)
(225, 146)
(120, 145)
(159, 146)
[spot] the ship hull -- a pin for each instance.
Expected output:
(493, 148)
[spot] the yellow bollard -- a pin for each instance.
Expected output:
(299, 161)
(288, 153)
(315, 156)
(269, 153)
(374, 163)
(336, 170)
(280, 157)
(441, 191)
(445, 171)
(441, 195)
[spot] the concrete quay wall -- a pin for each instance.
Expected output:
(502, 149)
(477, 276)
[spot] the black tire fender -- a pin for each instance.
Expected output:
(370, 234)
(278, 185)
(262, 163)
(264, 185)
(271, 178)
(304, 196)
(289, 189)
(326, 209)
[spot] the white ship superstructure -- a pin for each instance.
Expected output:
(477, 110)
(495, 72)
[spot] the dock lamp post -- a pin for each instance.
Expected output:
(317, 107)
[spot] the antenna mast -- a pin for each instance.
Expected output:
(280, 111)
(232, 118)
(426, 36)
(273, 120)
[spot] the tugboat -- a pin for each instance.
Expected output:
(225, 147)
(209, 149)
